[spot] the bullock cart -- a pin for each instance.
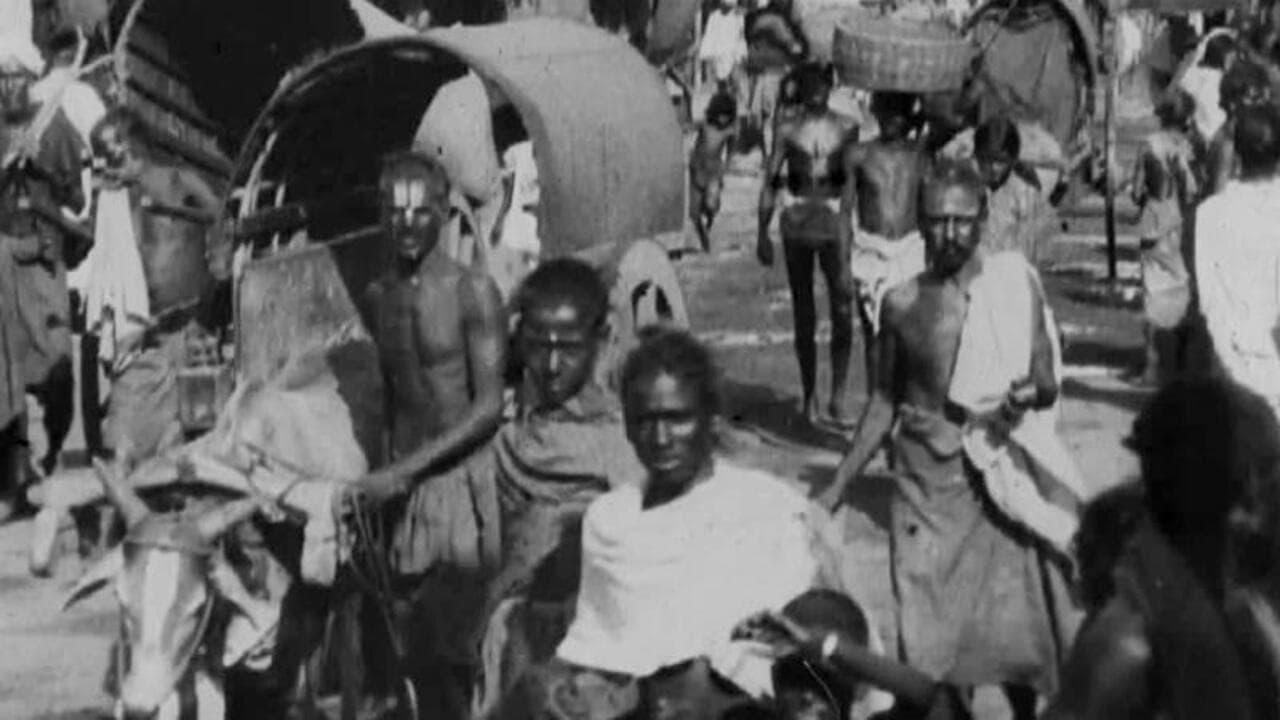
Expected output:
(302, 212)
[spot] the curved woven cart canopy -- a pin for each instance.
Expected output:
(605, 135)
(1081, 22)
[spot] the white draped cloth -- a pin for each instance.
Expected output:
(113, 282)
(1019, 470)
(666, 584)
(1238, 279)
(16, 44)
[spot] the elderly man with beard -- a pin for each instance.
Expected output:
(39, 177)
(977, 603)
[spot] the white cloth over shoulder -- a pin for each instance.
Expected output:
(113, 282)
(16, 44)
(78, 99)
(1238, 279)
(667, 584)
(995, 352)
(1202, 84)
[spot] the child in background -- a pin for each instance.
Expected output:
(715, 140)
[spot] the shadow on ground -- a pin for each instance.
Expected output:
(1127, 398)
(1094, 353)
(775, 414)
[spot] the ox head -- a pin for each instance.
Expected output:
(166, 572)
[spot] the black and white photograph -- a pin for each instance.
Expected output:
(639, 359)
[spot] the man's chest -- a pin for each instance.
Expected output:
(819, 139)
(930, 333)
(421, 319)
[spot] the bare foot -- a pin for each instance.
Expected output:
(809, 410)
(840, 415)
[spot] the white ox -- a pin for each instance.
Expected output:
(170, 571)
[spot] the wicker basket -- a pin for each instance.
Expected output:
(885, 54)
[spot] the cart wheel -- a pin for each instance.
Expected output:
(646, 291)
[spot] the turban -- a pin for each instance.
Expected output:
(17, 51)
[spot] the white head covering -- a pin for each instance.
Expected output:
(16, 46)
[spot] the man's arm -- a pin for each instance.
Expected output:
(878, 417)
(849, 158)
(198, 195)
(769, 196)
(485, 327)
(1107, 672)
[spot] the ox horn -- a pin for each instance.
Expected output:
(218, 520)
(120, 494)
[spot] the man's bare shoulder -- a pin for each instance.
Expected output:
(1107, 672)
(479, 294)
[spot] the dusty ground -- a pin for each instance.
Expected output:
(51, 663)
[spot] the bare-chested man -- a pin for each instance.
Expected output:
(441, 332)
(809, 150)
(976, 603)
(878, 211)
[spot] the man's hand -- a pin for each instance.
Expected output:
(764, 249)
(376, 488)
(784, 635)
(831, 498)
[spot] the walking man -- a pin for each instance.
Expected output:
(805, 172)
(977, 602)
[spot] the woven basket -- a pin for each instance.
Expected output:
(886, 54)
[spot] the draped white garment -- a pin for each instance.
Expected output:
(115, 286)
(667, 584)
(995, 351)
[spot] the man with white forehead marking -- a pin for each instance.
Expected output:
(441, 332)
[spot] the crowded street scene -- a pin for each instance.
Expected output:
(639, 359)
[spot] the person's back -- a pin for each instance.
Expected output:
(1203, 80)
(1160, 645)
(1237, 259)
(887, 170)
(1197, 668)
